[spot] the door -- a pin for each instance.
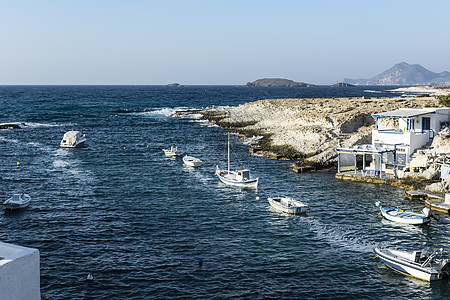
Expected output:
(425, 123)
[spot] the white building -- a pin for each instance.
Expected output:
(408, 129)
(397, 134)
(19, 272)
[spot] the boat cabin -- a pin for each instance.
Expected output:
(243, 175)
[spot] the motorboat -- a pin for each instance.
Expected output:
(238, 177)
(404, 216)
(192, 161)
(419, 264)
(288, 205)
(17, 201)
(73, 139)
(172, 151)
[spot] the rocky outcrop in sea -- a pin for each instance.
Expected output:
(266, 82)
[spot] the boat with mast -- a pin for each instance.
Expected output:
(238, 177)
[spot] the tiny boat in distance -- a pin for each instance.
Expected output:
(288, 205)
(405, 217)
(73, 139)
(17, 201)
(418, 264)
(173, 151)
(192, 161)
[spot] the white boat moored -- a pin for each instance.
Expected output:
(73, 139)
(192, 161)
(418, 264)
(288, 205)
(405, 217)
(238, 177)
(173, 151)
(17, 201)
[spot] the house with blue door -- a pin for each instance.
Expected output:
(396, 136)
(407, 129)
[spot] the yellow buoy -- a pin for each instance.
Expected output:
(18, 163)
(147, 146)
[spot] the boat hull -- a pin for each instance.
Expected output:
(192, 161)
(299, 208)
(408, 268)
(244, 183)
(11, 204)
(395, 215)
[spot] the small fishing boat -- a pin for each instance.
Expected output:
(73, 139)
(17, 201)
(418, 264)
(438, 205)
(173, 151)
(288, 205)
(238, 177)
(192, 161)
(405, 217)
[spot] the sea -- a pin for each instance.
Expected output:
(147, 227)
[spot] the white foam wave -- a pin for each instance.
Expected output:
(37, 125)
(61, 163)
(373, 91)
(335, 236)
(9, 140)
(254, 139)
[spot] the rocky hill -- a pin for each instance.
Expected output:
(309, 129)
(405, 74)
(277, 82)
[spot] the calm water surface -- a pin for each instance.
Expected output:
(140, 222)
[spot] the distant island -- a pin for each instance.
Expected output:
(266, 82)
(342, 84)
(405, 74)
(174, 84)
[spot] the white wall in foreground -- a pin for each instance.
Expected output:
(19, 273)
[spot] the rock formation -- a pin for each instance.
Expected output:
(265, 82)
(309, 129)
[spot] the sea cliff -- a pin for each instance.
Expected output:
(309, 130)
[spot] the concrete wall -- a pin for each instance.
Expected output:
(19, 273)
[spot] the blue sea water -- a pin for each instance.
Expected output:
(139, 222)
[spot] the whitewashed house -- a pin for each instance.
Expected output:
(396, 136)
(408, 129)
(19, 272)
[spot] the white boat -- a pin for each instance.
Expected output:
(17, 201)
(405, 217)
(73, 139)
(418, 264)
(192, 161)
(173, 151)
(288, 205)
(238, 177)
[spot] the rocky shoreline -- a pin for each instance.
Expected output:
(308, 130)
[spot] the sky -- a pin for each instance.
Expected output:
(215, 42)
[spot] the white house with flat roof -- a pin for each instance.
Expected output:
(19, 273)
(408, 129)
(397, 134)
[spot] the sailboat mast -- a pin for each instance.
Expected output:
(228, 153)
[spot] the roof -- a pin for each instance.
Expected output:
(406, 113)
(367, 148)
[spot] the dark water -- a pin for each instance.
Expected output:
(140, 222)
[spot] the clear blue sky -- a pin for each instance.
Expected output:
(217, 42)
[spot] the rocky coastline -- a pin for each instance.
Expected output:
(308, 130)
